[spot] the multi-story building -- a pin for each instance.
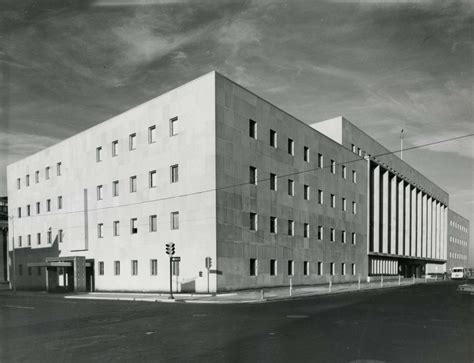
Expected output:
(226, 176)
(458, 241)
(3, 238)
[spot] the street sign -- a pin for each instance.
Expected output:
(176, 259)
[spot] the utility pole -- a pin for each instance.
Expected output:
(402, 135)
(13, 262)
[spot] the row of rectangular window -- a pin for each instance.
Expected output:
(152, 182)
(458, 241)
(457, 225)
(306, 229)
(37, 175)
(30, 270)
(38, 207)
(152, 225)
(291, 150)
(132, 139)
(49, 238)
(133, 267)
(253, 270)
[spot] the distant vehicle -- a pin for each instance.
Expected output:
(458, 273)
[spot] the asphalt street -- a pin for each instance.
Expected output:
(420, 323)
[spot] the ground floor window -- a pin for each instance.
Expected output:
(253, 267)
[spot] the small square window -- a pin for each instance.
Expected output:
(306, 154)
(291, 187)
(320, 233)
(320, 161)
(133, 225)
(152, 134)
(174, 220)
(291, 227)
(273, 139)
(253, 175)
(153, 223)
(116, 227)
(174, 126)
(116, 268)
(133, 184)
(115, 188)
(306, 230)
(273, 181)
(253, 221)
(291, 267)
(134, 267)
(101, 268)
(59, 168)
(273, 225)
(306, 268)
(252, 129)
(100, 230)
(273, 267)
(152, 179)
(98, 154)
(306, 192)
(253, 267)
(153, 267)
(291, 147)
(115, 148)
(132, 141)
(174, 173)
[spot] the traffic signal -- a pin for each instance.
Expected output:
(170, 249)
(208, 262)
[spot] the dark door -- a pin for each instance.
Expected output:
(90, 282)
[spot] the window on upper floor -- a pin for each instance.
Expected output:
(152, 134)
(320, 161)
(116, 268)
(344, 204)
(48, 205)
(174, 126)
(27, 180)
(100, 192)
(19, 212)
(291, 187)
(60, 202)
(253, 221)
(273, 225)
(343, 236)
(38, 207)
(306, 154)
(273, 267)
(253, 175)
(47, 172)
(153, 267)
(320, 196)
(306, 192)
(306, 230)
(133, 184)
(100, 230)
(320, 233)
(116, 228)
(28, 210)
(253, 267)
(98, 154)
(18, 183)
(152, 179)
(354, 208)
(252, 129)
(333, 201)
(354, 238)
(333, 167)
(59, 169)
(115, 188)
(354, 176)
(291, 147)
(37, 176)
(333, 235)
(174, 173)
(273, 139)
(61, 235)
(132, 141)
(153, 223)
(343, 171)
(115, 150)
(291, 228)
(291, 267)
(174, 220)
(273, 181)
(133, 225)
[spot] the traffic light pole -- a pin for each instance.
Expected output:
(171, 279)
(208, 281)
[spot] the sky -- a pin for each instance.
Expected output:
(66, 65)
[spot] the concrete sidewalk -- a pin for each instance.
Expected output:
(252, 296)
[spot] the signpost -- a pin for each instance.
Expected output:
(170, 251)
(208, 267)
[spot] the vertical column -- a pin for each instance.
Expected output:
(425, 226)
(437, 214)
(401, 215)
(407, 219)
(419, 215)
(444, 234)
(385, 211)
(413, 222)
(393, 214)
(431, 228)
(376, 204)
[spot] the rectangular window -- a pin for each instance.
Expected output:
(320, 268)
(273, 139)
(174, 220)
(50, 237)
(354, 238)
(27, 180)
(116, 225)
(60, 202)
(273, 267)
(152, 134)
(320, 196)
(306, 268)
(47, 172)
(133, 184)
(98, 154)
(306, 192)
(344, 204)
(174, 173)
(253, 267)
(174, 126)
(253, 221)
(28, 210)
(291, 187)
(306, 230)
(115, 148)
(273, 225)
(61, 235)
(359, 151)
(344, 171)
(354, 208)
(100, 230)
(333, 235)
(320, 233)
(291, 266)
(252, 129)
(153, 267)
(134, 267)
(343, 269)
(320, 161)
(38, 238)
(353, 148)
(19, 212)
(101, 268)
(343, 236)
(291, 147)
(132, 141)
(353, 269)
(28, 240)
(354, 176)
(58, 169)
(37, 176)
(153, 223)
(306, 154)
(152, 179)
(100, 192)
(333, 269)
(20, 240)
(333, 167)
(133, 225)
(333, 201)
(253, 175)
(115, 188)
(116, 268)
(291, 227)
(18, 183)
(48, 205)
(273, 181)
